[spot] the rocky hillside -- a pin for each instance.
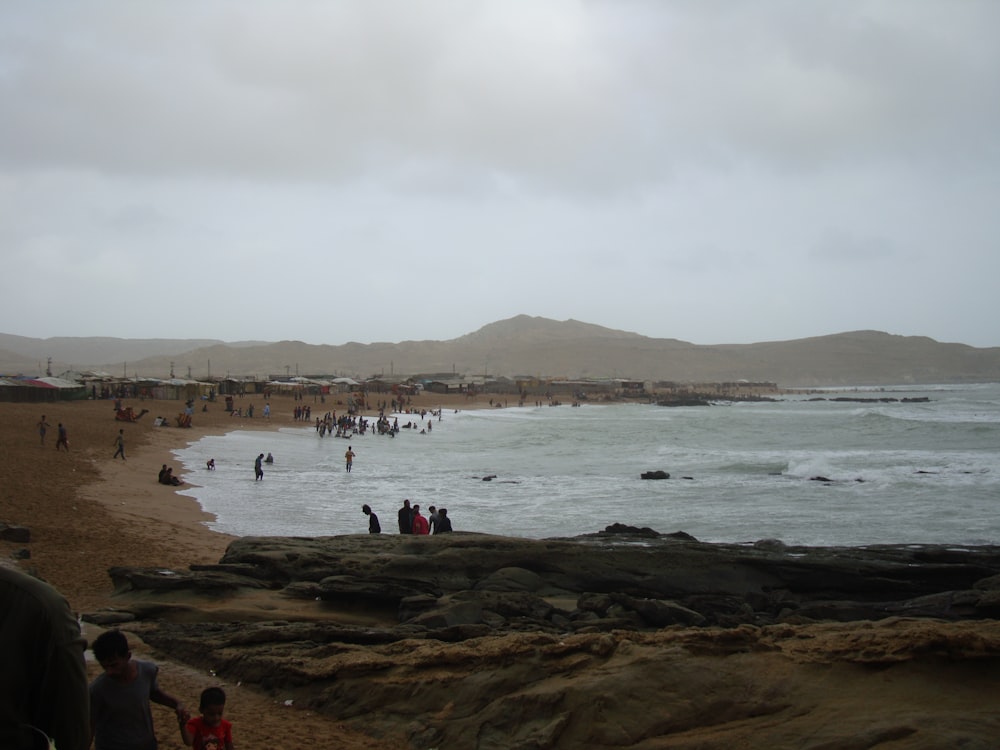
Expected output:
(526, 345)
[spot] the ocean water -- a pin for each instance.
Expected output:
(900, 472)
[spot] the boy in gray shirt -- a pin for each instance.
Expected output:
(120, 714)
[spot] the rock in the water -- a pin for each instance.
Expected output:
(658, 474)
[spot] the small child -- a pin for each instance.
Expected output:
(209, 731)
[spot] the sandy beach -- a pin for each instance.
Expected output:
(916, 681)
(88, 512)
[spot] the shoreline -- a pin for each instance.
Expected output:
(87, 512)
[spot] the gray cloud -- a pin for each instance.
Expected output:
(682, 169)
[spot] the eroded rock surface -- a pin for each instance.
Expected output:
(609, 640)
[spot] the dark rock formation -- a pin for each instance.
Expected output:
(678, 401)
(470, 640)
(18, 534)
(658, 474)
(501, 581)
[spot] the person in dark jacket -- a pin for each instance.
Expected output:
(405, 518)
(443, 522)
(373, 524)
(43, 682)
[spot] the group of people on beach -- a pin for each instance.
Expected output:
(410, 520)
(62, 439)
(166, 476)
(48, 701)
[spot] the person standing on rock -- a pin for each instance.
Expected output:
(258, 469)
(405, 518)
(373, 525)
(443, 522)
(419, 524)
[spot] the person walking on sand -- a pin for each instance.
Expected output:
(120, 715)
(258, 469)
(373, 525)
(349, 457)
(43, 426)
(120, 443)
(62, 439)
(208, 731)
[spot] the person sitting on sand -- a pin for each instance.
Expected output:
(162, 474)
(169, 478)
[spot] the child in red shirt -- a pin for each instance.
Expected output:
(209, 731)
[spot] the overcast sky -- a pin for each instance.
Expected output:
(712, 171)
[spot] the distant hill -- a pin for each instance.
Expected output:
(525, 345)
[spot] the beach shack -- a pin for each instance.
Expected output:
(180, 389)
(36, 390)
(446, 385)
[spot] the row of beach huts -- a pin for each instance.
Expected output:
(73, 385)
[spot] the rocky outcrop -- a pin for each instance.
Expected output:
(606, 640)
(621, 578)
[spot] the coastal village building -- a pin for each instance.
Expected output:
(37, 390)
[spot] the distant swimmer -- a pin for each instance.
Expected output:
(210, 464)
(269, 459)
